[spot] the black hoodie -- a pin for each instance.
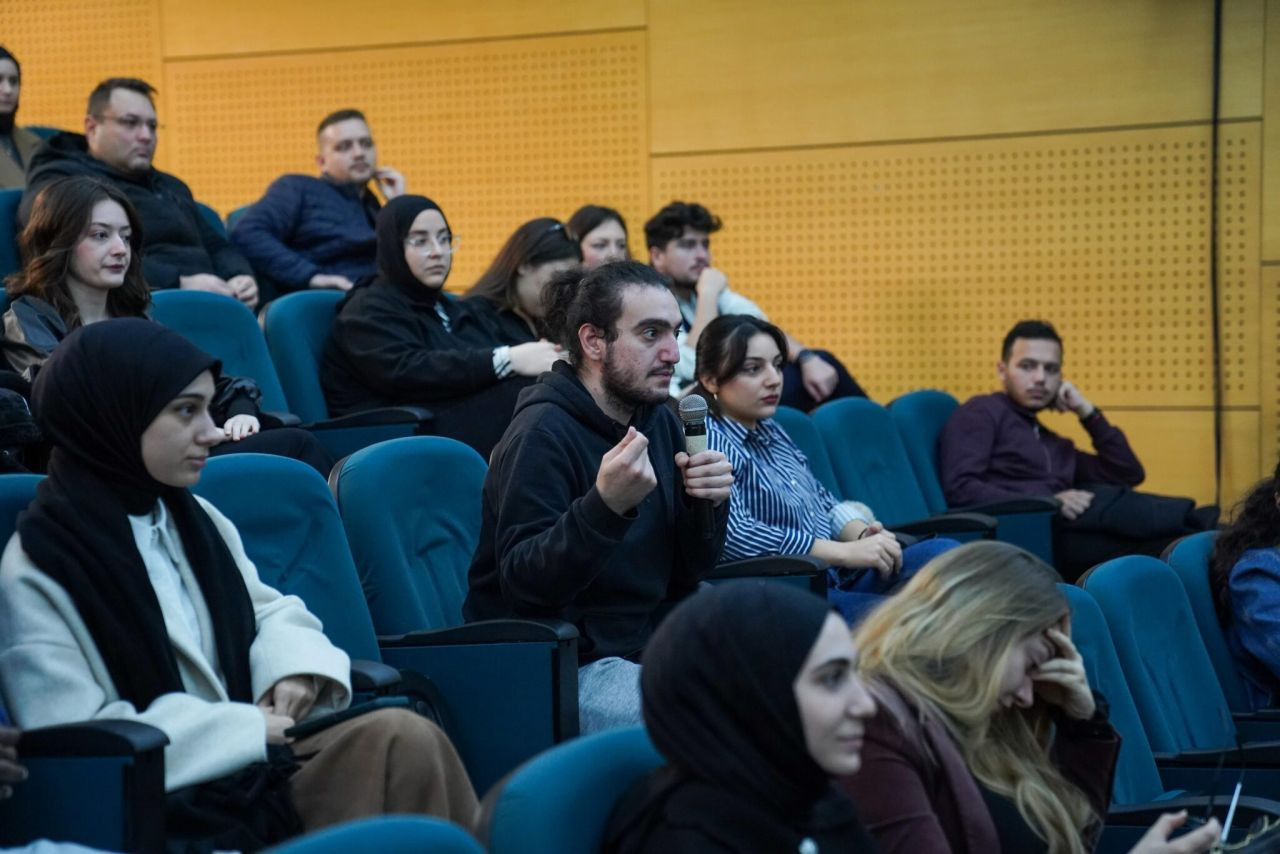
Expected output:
(176, 239)
(550, 546)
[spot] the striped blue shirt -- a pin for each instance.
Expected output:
(776, 505)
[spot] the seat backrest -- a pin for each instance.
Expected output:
(43, 131)
(297, 326)
(224, 328)
(9, 258)
(805, 435)
(291, 530)
(1165, 663)
(211, 217)
(411, 508)
(869, 459)
(1189, 558)
(234, 216)
(920, 417)
(16, 492)
(560, 801)
(1137, 778)
(388, 834)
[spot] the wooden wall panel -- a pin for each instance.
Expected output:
(814, 72)
(231, 27)
(497, 132)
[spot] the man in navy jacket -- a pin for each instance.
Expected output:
(309, 232)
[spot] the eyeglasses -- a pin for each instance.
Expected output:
(446, 245)
(132, 122)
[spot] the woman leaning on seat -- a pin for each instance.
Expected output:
(777, 505)
(122, 595)
(987, 737)
(82, 248)
(399, 341)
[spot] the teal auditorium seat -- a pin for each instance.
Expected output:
(560, 802)
(234, 217)
(399, 834)
(1140, 792)
(98, 783)
(9, 258)
(296, 327)
(211, 217)
(411, 508)
(920, 417)
(1171, 677)
(870, 465)
(1189, 558)
(225, 328)
(799, 427)
(42, 131)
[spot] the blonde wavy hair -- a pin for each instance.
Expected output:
(944, 640)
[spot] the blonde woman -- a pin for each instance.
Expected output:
(987, 736)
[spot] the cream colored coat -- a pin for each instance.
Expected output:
(51, 671)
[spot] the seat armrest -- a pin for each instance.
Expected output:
(950, 523)
(373, 677)
(1251, 754)
(768, 566)
(91, 738)
(1145, 815)
(487, 631)
(271, 420)
(375, 418)
(1014, 505)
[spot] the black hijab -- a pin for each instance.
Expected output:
(392, 227)
(93, 399)
(719, 703)
(7, 120)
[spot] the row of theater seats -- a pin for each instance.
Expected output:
(1152, 646)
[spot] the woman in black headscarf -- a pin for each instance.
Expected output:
(750, 693)
(122, 595)
(399, 341)
(16, 144)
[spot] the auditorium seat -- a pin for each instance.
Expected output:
(920, 417)
(10, 261)
(43, 131)
(398, 834)
(234, 217)
(225, 328)
(211, 217)
(1189, 558)
(1140, 792)
(560, 802)
(870, 465)
(800, 429)
(411, 509)
(296, 327)
(1171, 677)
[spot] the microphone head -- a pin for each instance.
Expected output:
(693, 409)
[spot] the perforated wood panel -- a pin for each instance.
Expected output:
(496, 132)
(912, 261)
(1269, 368)
(67, 46)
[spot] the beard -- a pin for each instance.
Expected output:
(629, 390)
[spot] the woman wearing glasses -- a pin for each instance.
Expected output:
(508, 296)
(398, 340)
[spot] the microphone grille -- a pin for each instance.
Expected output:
(693, 409)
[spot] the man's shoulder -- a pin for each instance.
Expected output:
(294, 182)
(994, 403)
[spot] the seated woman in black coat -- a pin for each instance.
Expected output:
(83, 250)
(399, 341)
(508, 296)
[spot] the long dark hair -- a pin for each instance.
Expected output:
(536, 242)
(722, 349)
(1256, 526)
(588, 218)
(58, 219)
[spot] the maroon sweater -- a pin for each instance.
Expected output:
(994, 450)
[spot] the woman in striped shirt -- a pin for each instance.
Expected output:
(777, 506)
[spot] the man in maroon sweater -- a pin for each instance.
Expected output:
(993, 448)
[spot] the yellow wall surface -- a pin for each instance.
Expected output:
(899, 182)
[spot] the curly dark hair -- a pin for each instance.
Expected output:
(1256, 526)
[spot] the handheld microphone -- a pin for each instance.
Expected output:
(693, 412)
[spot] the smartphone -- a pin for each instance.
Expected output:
(322, 723)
